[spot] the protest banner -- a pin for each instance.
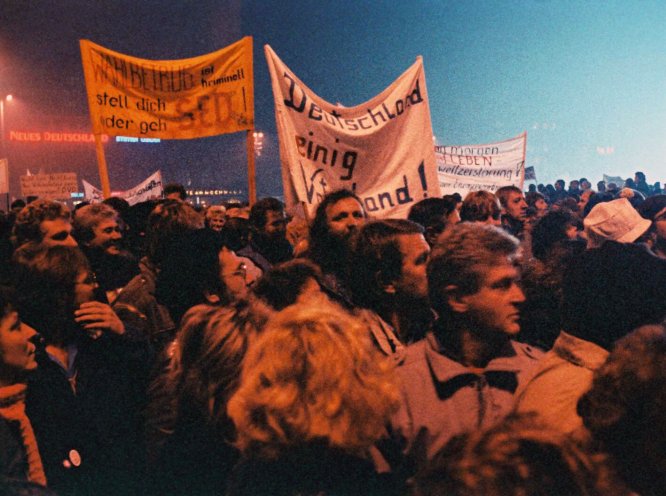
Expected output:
(465, 168)
(381, 149)
(58, 186)
(530, 174)
(617, 180)
(168, 99)
(91, 193)
(148, 189)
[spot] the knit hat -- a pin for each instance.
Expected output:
(616, 220)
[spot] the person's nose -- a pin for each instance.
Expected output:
(517, 295)
(29, 331)
(354, 223)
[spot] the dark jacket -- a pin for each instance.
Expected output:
(309, 471)
(88, 428)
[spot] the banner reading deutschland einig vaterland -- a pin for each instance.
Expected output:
(466, 168)
(381, 149)
(170, 99)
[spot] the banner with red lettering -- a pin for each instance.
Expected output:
(465, 168)
(381, 149)
(170, 99)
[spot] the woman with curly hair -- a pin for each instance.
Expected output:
(625, 410)
(314, 397)
(519, 457)
(188, 431)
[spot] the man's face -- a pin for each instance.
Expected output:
(516, 206)
(584, 198)
(107, 236)
(17, 352)
(541, 206)
(573, 185)
(57, 232)
(276, 224)
(559, 185)
(84, 288)
(344, 217)
(495, 306)
(216, 219)
(415, 252)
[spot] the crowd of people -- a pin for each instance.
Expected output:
(504, 343)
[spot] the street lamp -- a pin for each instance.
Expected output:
(8, 98)
(258, 142)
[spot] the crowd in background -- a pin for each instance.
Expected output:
(504, 343)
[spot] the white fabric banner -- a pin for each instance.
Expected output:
(466, 168)
(91, 193)
(382, 149)
(147, 190)
(4, 176)
(617, 180)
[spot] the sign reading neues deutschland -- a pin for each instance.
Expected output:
(170, 99)
(381, 149)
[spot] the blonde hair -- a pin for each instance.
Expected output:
(312, 376)
(207, 354)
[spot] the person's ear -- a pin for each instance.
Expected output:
(211, 298)
(431, 235)
(457, 301)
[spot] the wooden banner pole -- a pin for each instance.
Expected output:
(251, 174)
(101, 164)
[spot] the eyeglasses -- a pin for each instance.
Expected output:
(241, 271)
(90, 280)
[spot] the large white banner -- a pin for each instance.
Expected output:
(147, 190)
(466, 168)
(381, 149)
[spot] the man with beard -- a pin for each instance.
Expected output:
(97, 231)
(268, 244)
(389, 281)
(338, 217)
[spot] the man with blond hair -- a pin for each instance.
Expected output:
(464, 374)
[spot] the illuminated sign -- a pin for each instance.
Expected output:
(127, 139)
(210, 192)
(53, 137)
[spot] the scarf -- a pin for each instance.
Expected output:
(12, 407)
